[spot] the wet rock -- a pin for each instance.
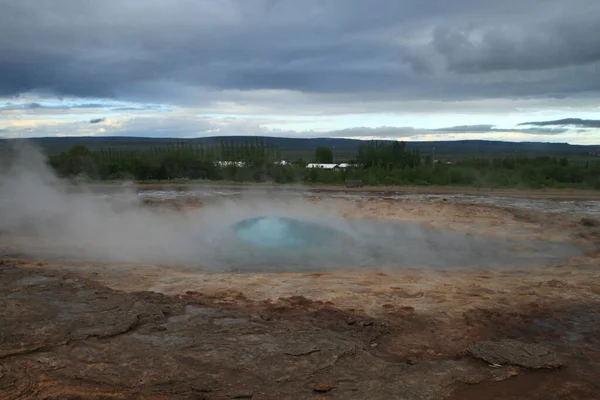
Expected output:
(35, 280)
(204, 386)
(505, 374)
(589, 222)
(514, 352)
(360, 322)
(412, 360)
(323, 387)
(243, 394)
(399, 292)
(555, 283)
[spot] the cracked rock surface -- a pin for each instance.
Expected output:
(64, 337)
(67, 337)
(515, 352)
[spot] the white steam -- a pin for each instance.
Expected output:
(55, 218)
(42, 216)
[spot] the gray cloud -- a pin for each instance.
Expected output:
(468, 128)
(38, 106)
(25, 106)
(185, 126)
(493, 129)
(464, 129)
(97, 120)
(582, 123)
(405, 50)
(57, 106)
(557, 43)
(199, 127)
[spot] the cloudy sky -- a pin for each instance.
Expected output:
(526, 70)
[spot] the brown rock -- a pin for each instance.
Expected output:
(412, 360)
(241, 395)
(586, 221)
(555, 283)
(507, 373)
(323, 387)
(514, 352)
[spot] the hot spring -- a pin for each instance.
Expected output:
(281, 232)
(270, 243)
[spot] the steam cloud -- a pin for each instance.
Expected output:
(46, 217)
(74, 221)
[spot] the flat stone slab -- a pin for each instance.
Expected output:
(514, 352)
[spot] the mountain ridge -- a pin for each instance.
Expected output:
(55, 145)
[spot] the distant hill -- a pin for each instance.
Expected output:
(303, 148)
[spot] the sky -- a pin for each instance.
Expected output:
(525, 70)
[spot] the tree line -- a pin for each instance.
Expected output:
(375, 163)
(253, 160)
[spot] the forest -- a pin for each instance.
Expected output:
(375, 163)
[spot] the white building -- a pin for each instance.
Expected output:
(229, 163)
(331, 166)
(323, 166)
(242, 164)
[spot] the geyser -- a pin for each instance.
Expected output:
(269, 243)
(45, 218)
(275, 232)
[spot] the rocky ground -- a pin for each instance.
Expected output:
(78, 330)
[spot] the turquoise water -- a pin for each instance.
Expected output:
(282, 244)
(277, 232)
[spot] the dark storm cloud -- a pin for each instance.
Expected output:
(568, 41)
(431, 49)
(582, 123)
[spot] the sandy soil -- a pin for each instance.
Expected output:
(564, 194)
(91, 330)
